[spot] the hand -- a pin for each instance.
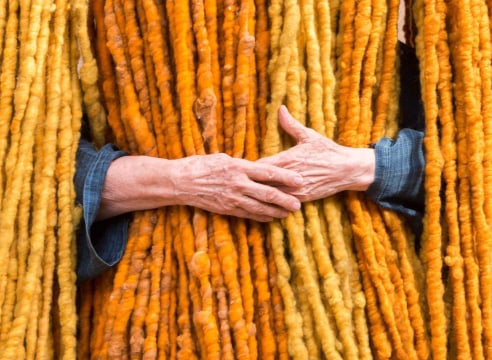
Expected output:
(215, 182)
(232, 186)
(325, 166)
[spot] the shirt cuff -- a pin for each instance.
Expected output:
(399, 178)
(100, 244)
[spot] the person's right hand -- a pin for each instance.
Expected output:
(215, 182)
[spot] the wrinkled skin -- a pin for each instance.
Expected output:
(325, 166)
(225, 185)
(215, 182)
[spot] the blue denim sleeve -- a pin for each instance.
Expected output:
(100, 244)
(399, 179)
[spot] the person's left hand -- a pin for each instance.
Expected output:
(326, 167)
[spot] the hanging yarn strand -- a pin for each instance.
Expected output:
(426, 49)
(9, 65)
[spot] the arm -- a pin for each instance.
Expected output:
(110, 186)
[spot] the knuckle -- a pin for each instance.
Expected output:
(222, 156)
(233, 204)
(271, 197)
(244, 181)
(271, 175)
(262, 211)
(238, 186)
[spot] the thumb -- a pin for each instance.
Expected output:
(291, 125)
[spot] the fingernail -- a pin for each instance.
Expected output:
(297, 205)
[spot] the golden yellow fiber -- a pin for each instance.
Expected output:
(326, 38)
(346, 268)
(294, 79)
(310, 338)
(322, 325)
(10, 296)
(89, 74)
(3, 24)
(42, 319)
(297, 347)
(7, 78)
(271, 142)
(314, 74)
(330, 284)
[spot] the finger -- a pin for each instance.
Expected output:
(291, 125)
(241, 213)
(272, 196)
(298, 192)
(258, 209)
(263, 172)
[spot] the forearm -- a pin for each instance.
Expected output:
(359, 171)
(138, 183)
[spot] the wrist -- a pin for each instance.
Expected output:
(188, 180)
(177, 182)
(363, 168)
(166, 181)
(135, 183)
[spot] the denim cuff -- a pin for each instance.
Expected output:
(100, 244)
(399, 178)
